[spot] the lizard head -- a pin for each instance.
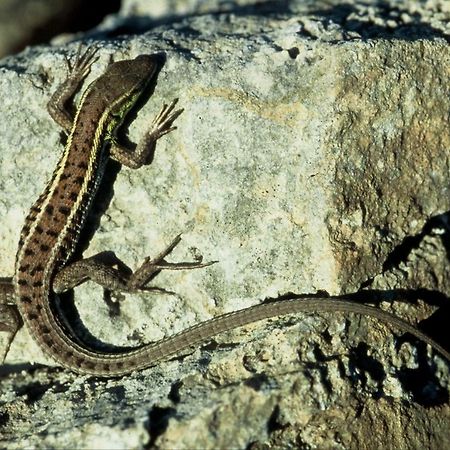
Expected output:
(123, 83)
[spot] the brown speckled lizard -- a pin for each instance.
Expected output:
(45, 265)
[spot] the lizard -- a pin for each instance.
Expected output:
(45, 266)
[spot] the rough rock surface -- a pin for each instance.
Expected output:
(313, 154)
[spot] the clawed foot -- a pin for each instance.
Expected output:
(151, 266)
(162, 123)
(137, 281)
(78, 71)
(83, 62)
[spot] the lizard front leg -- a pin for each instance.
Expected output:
(161, 125)
(78, 71)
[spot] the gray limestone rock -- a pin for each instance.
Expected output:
(312, 155)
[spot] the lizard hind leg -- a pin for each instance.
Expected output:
(10, 320)
(113, 275)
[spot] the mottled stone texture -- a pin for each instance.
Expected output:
(392, 148)
(313, 154)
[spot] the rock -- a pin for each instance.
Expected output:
(308, 158)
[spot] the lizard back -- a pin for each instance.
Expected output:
(53, 225)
